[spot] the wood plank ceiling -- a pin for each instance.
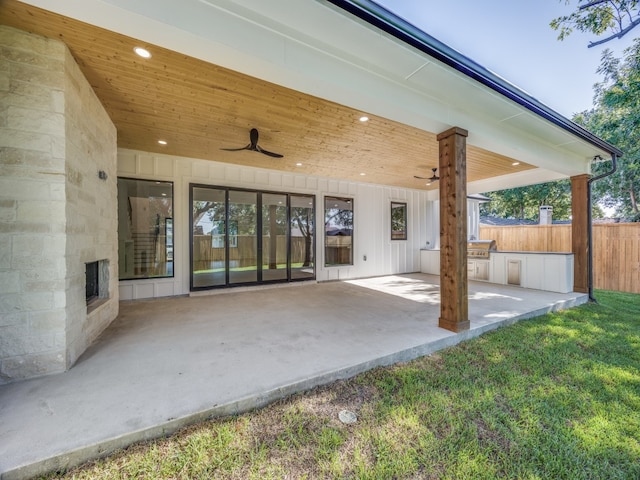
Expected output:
(199, 108)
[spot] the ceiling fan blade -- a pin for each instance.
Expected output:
(248, 147)
(266, 152)
(421, 178)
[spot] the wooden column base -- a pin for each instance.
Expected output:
(454, 326)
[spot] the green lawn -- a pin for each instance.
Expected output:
(556, 397)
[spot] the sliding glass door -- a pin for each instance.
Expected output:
(244, 237)
(209, 237)
(275, 237)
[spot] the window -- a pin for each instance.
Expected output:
(338, 231)
(145, 228)
(398, 221)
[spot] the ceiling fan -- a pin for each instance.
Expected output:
(433, 178)
(253, 145)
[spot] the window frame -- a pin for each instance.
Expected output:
(292, 273)
(347, 200)
(404, 232)
(170, 264)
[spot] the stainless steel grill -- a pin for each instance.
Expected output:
(481, 248)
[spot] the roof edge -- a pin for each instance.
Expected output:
(399, 28)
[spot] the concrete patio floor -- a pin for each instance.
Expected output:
(166, 363)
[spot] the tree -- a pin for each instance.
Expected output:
(616, 119)
(616, 115)
(524, 203)
(302, 217)
(615, 18)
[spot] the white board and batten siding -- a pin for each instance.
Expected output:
(372, 217)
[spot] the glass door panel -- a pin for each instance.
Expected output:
(274, 237)
(302, 226)
(208, 246)
(243, 237)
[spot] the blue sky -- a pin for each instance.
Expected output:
(513, 39)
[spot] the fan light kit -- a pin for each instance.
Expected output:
(253, 146)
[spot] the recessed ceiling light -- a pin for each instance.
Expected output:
(515, 164)
(162, 142)
(143, 52)
(362, 174)
(364, 118)
(298, 164)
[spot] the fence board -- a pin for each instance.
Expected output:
(616, 247)
(244, 251)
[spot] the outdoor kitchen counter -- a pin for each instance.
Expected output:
(550, 271)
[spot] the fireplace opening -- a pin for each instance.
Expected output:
(92, 281)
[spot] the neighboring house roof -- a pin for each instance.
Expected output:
(508, 222)
(504, 222)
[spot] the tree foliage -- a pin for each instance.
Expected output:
(613, 18)
(616, 119)
(523, 203)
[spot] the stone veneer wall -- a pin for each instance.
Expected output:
(55, 213)
(91, 208)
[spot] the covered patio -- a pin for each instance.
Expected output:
(120, 167)
(166, 363)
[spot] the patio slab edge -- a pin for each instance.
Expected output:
(70, 459)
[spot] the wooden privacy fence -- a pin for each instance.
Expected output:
(616, 249)
(243, 250)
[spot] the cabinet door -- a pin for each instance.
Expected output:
(482, 270)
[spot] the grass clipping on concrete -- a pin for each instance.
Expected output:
(553, 397)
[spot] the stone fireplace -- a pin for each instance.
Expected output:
(58, 204)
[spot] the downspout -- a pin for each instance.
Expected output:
(614, 166)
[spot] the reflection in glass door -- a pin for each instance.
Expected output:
(208, 245)
(302, 237)
(244, 237)
(275, 237)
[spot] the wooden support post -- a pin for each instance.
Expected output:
(580, 232)
(454, 302)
